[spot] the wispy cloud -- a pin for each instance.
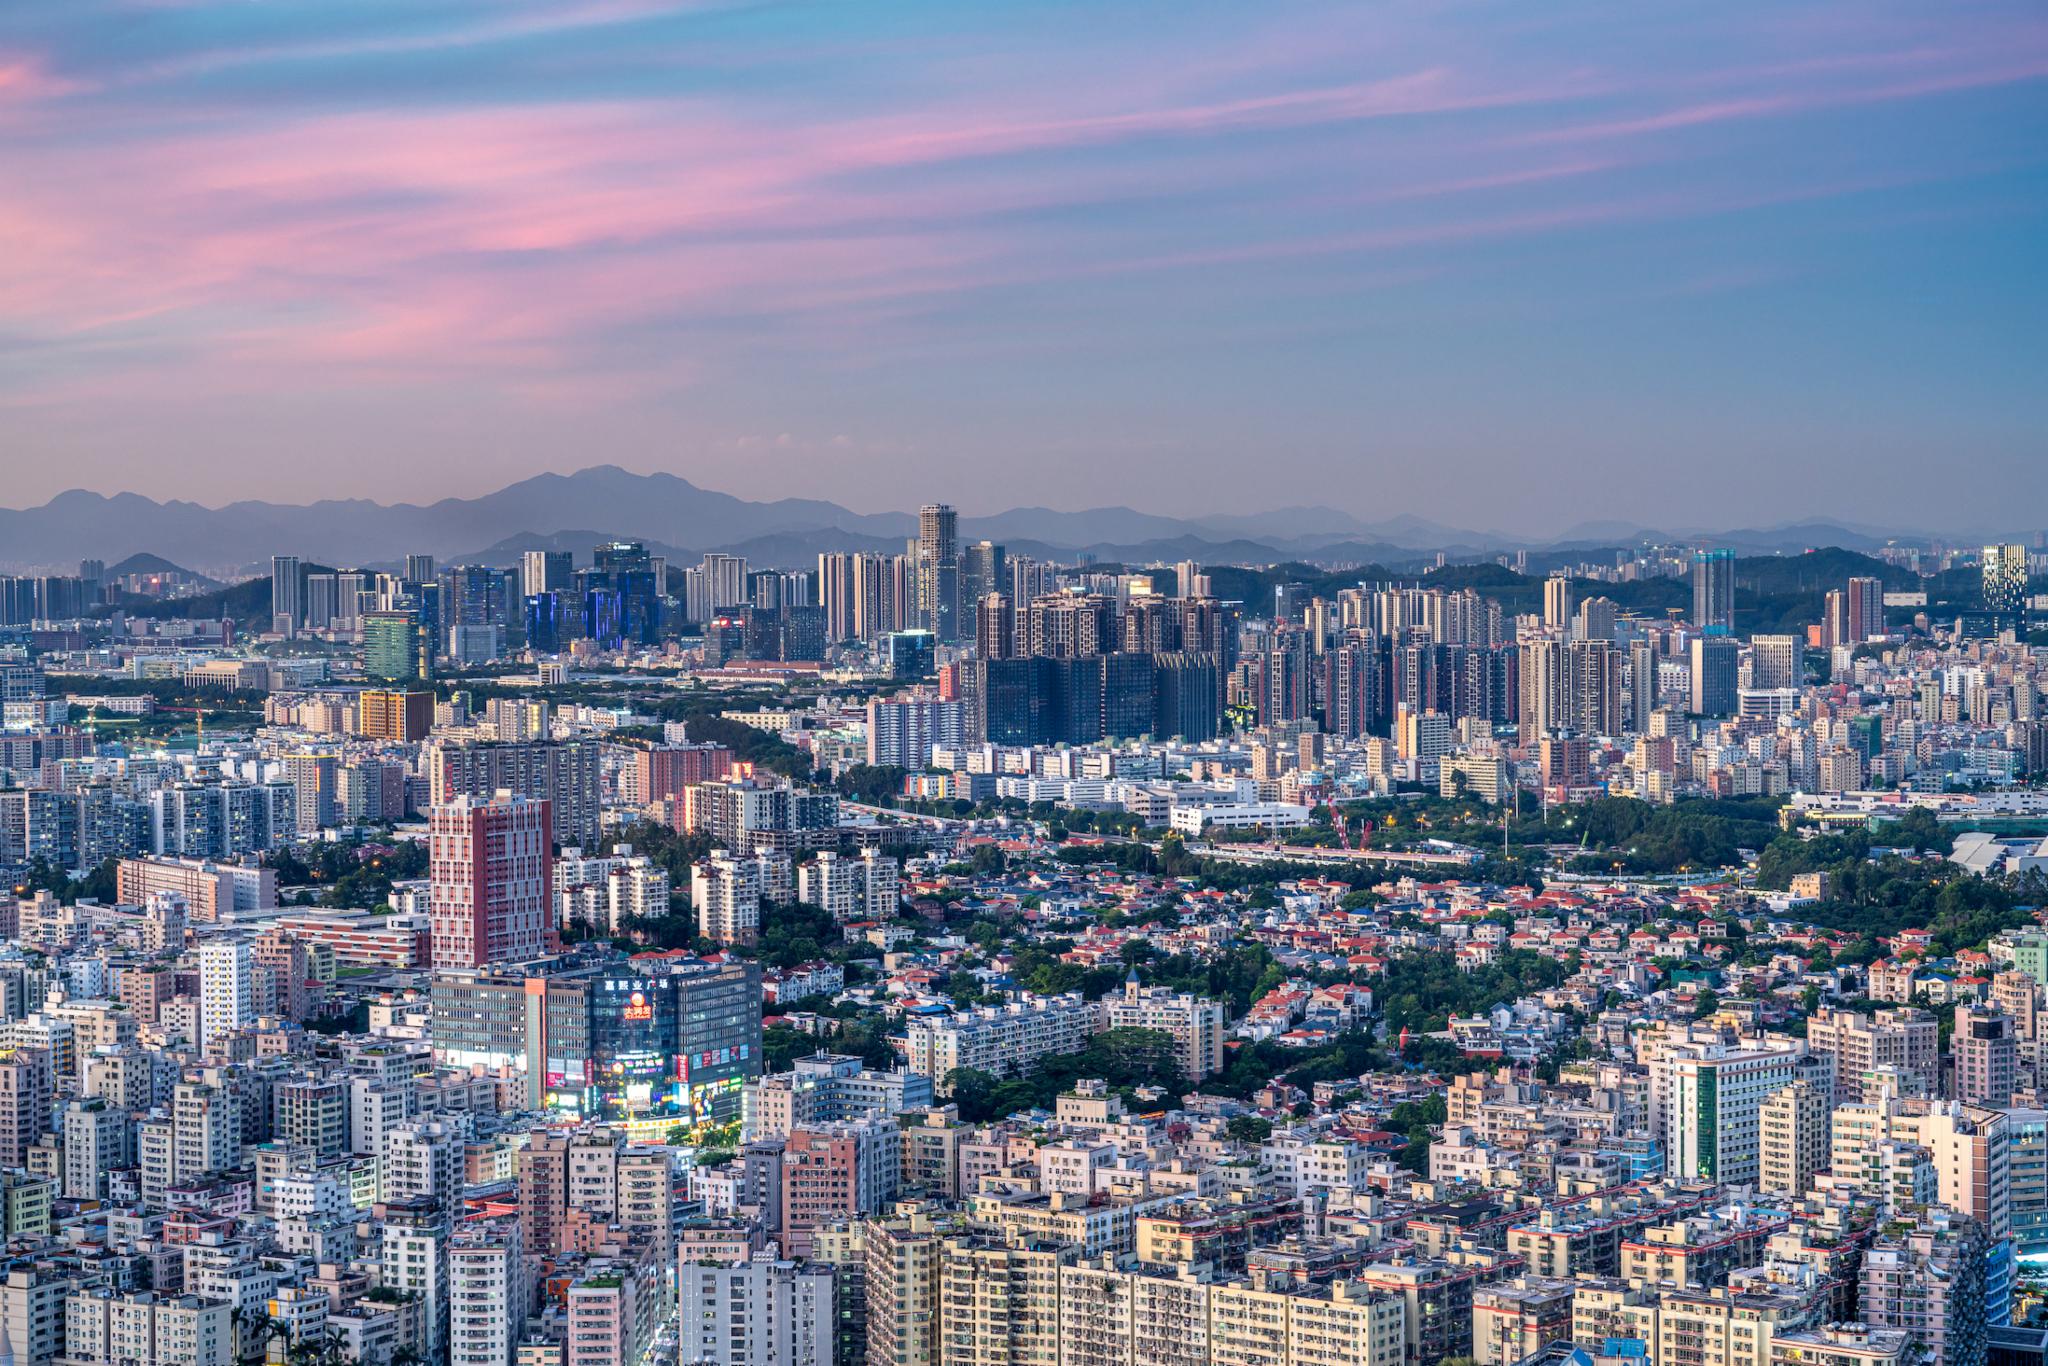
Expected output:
(184, 216)
(1988, 75)
(25, 78)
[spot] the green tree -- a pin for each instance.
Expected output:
(796, 933)
(781, 1046)
(1248, 1129)
(974, 1091)
(1417, 1121)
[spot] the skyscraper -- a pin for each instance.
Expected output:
(1557, 602)
(225, 989)
(1864, 610)
(348, 598)
(419, 569)
(1597, 696)
(938, 570)
(550, 620)
(1575, 687)
(874, 597)
(1543, 684)
(1594, 619)
(1775, 662)
(1834, 619)
(287, 603)
(2005, 583)
(983, 570)
(622, 595)
(322, 599)
(392, 646)
(475, 595)
(1713, 591)
(835, 594)
(1351, 689)
(1642, 684)
(545, 571)
(1713, 676)
(490, 873)
(1029, 578)
(995, 627)
(725, 585)
(1187, 694)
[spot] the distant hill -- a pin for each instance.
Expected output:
(1816, 571)
(145, 563)
(569, 510)
(654, 507)
(247, 603)
(1801, 536)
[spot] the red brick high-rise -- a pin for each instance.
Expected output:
(491, 868)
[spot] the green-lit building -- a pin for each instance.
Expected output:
(393, 646)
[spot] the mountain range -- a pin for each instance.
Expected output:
(677, 518)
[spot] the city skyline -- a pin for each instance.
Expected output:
(1550, 267)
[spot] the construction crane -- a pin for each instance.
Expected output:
(199, 712)
(1343, 827)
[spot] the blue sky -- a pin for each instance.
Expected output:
(1505, 265)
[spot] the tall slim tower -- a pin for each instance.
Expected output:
(995, 627)
(874, 597)
(835, 594)
(1713, 677)
(2005, 583)
(1713, 591)
(982, 571)
(225, 989)
(287, 603)
(1834, 619)
(938, 570)
(1864, 609)
(1557, 602)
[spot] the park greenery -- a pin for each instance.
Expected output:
(1422, 991)
(356, 876)
(1123, 1058)
(1880, 895)
(44, 876)
(1417, 1121)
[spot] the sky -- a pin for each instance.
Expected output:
(1507, 265)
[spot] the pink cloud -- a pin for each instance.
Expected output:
(403, 246)
(24, 78)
